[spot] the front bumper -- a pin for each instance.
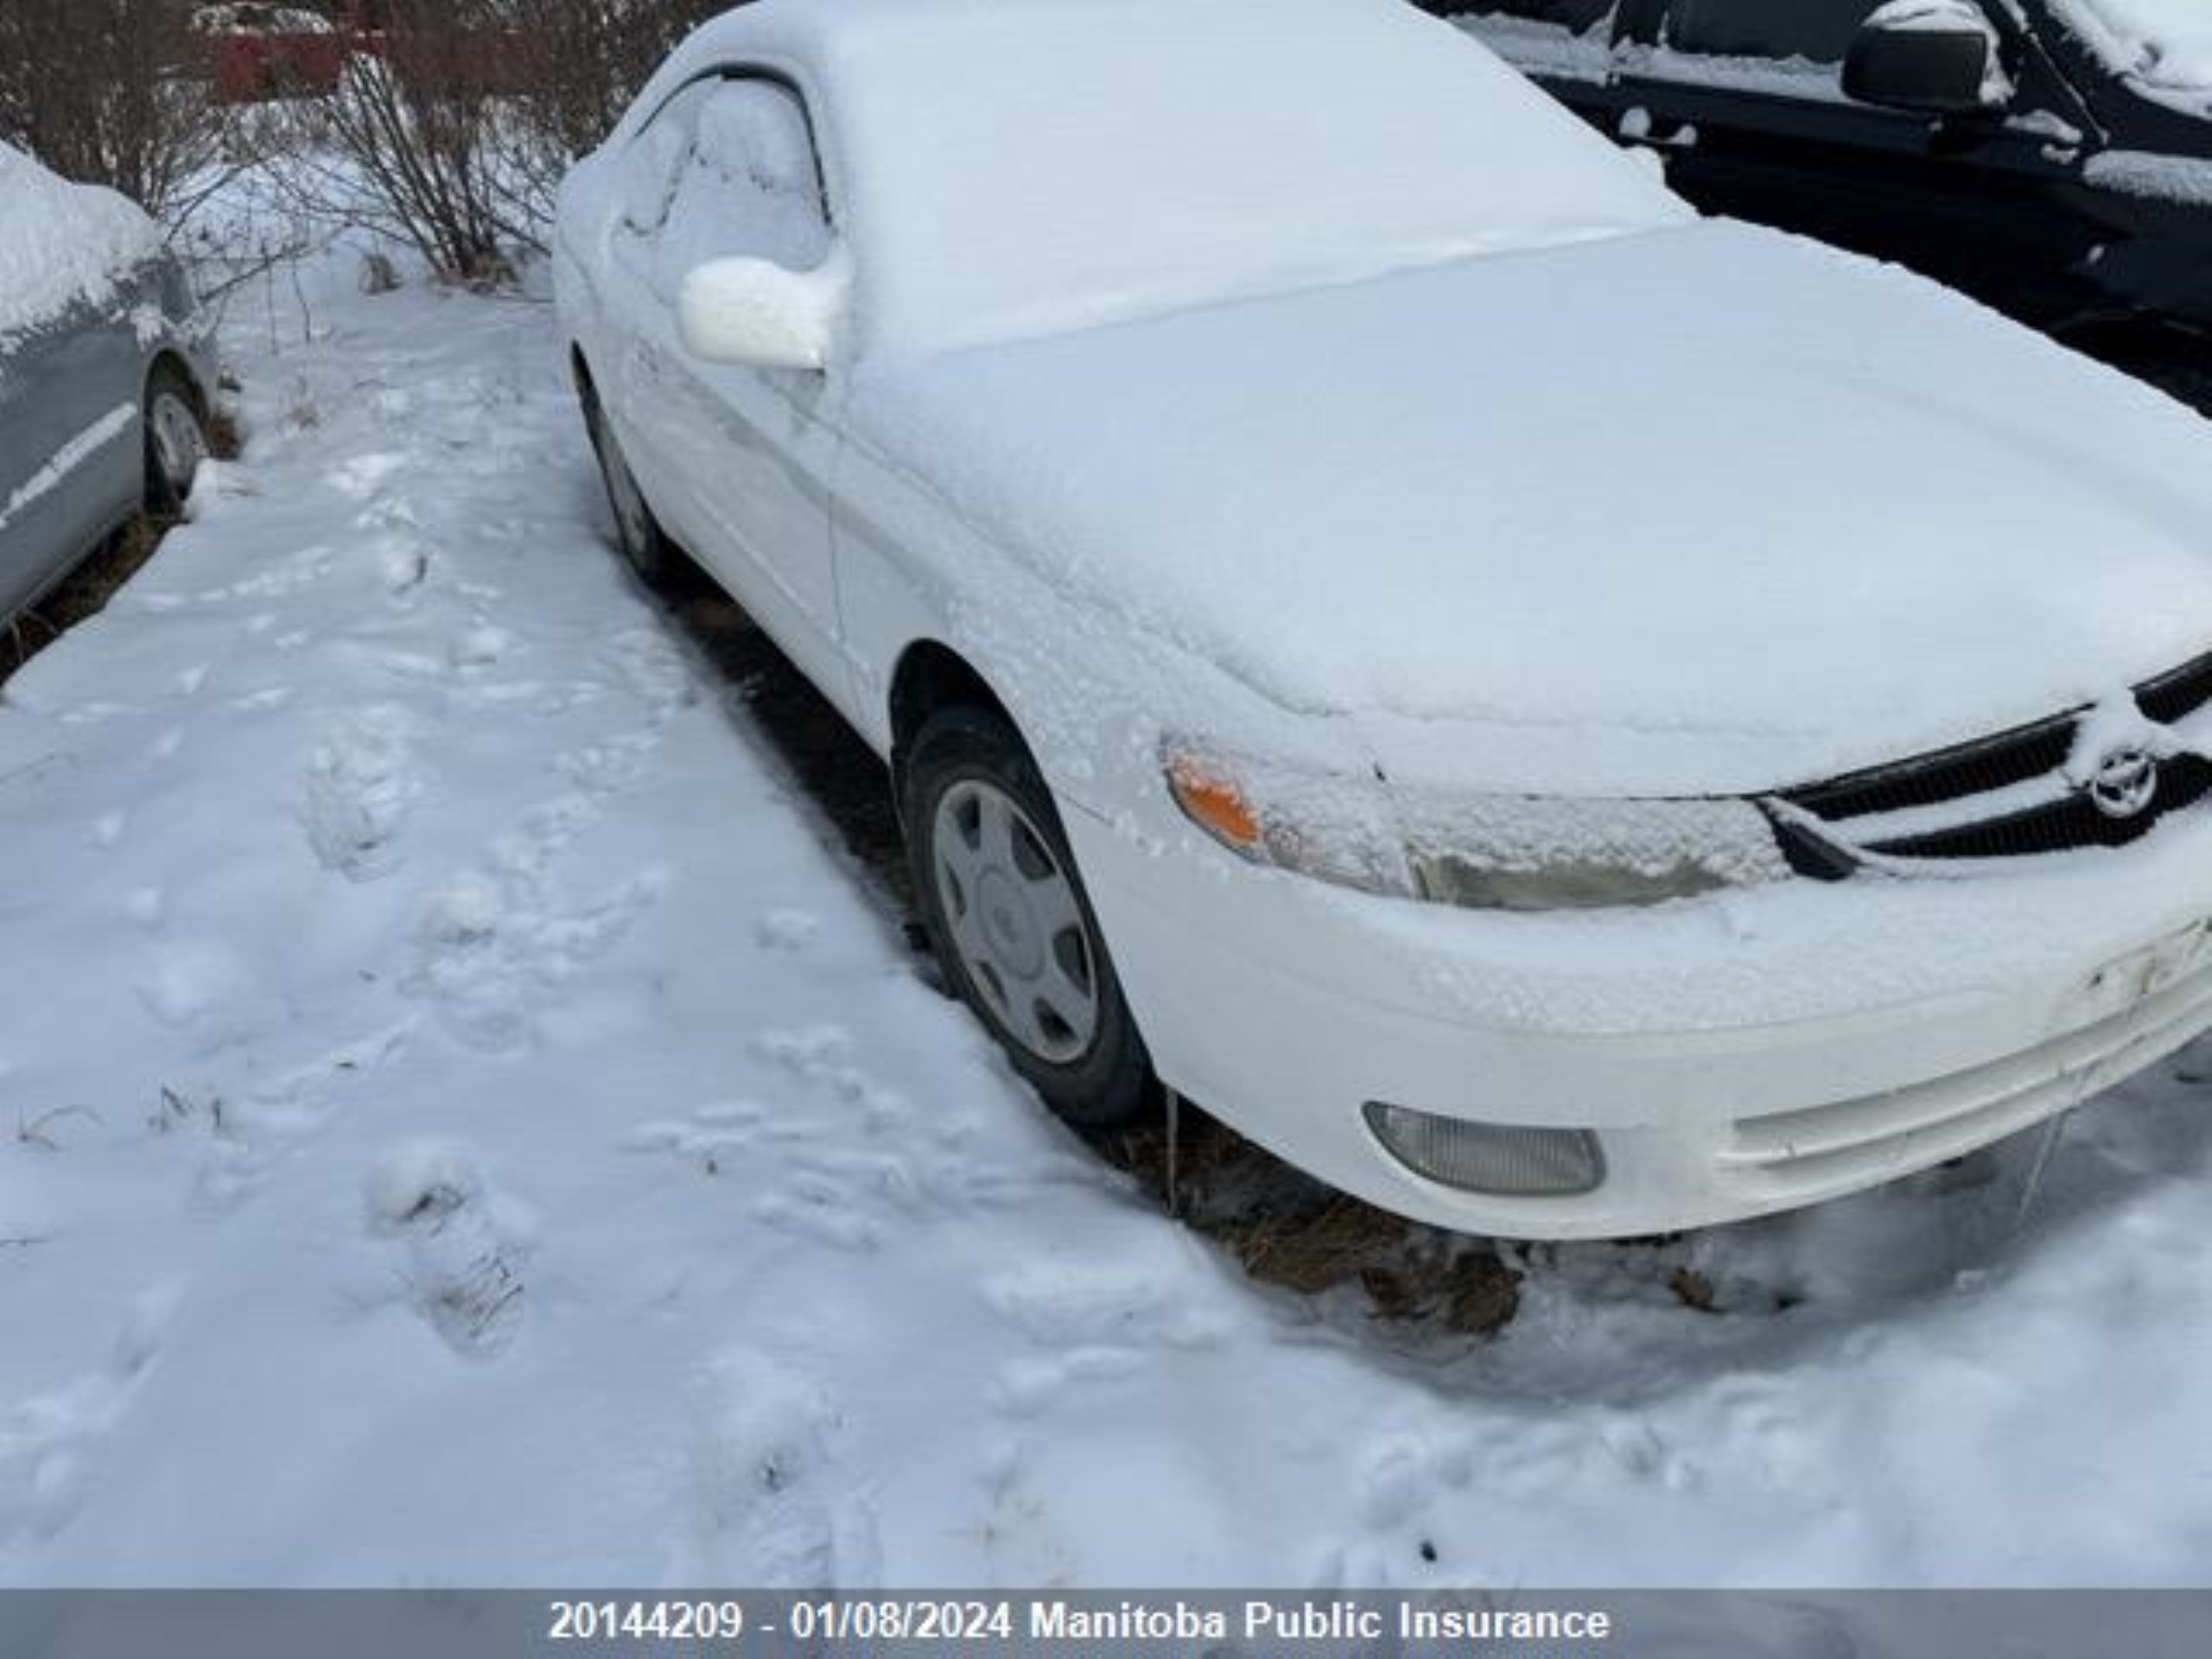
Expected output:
(1766, 1049)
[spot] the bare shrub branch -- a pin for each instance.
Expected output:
(109, 91)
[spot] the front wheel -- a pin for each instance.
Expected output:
(1010, 922)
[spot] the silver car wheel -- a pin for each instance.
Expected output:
(180, 442)
(1016, 922)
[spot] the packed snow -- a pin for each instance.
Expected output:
(61, 244)
(465, 1123)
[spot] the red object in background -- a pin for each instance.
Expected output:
(249, 68)
(256, 63)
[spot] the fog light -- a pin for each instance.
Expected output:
(1497, 1159)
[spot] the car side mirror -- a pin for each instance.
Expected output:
(755, 314)
(1934, 57)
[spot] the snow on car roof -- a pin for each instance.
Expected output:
(1014, 166)
(60, 242)
(2164, 47)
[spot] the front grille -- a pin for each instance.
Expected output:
(2006, 796)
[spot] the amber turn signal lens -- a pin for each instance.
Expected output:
(1215, 805)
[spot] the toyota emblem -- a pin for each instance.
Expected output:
(2124, 783)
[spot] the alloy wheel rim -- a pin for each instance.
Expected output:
(178, 444)
(1016, 922)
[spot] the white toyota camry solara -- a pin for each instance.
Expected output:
(1555, 715)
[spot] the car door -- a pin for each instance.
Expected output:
(71, 450)
(736, 461)
(1744, 98)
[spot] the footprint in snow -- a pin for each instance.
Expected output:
(770, 1502)
(361, 784)
(1086, 1325)
(364, 476)
(48, 1442)
(713, 1138)
(807, 1052)
(787, 930)
(280, 579)
(653, 668)
(467, 1244)
(497, 945)
(480, 646)
(405, 566)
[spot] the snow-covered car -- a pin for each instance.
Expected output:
(106, 370)
(1557, 716)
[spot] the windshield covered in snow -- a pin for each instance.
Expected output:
(2163, 46)
(1029, 166)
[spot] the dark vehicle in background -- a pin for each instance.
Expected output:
(2041, 155)
(106, 371)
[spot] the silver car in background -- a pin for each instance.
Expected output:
(107, 375)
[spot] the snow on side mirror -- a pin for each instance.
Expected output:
(754, 315)
(1933, 57)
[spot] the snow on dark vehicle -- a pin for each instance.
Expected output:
(106, 374)
(2053, 157)
(1559, 717)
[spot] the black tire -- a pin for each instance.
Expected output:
(655, 560)
(1094, 1078)
(175, 439)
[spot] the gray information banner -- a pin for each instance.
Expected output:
(1694, 1624)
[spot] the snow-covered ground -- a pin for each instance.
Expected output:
(463, 1120)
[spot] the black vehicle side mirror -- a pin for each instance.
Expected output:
(1918, 58)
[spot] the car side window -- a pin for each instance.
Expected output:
(652, 167)
(1812, 31)
(746, 182)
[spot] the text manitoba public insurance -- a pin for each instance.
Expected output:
(1324, 1621)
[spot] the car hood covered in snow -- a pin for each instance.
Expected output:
(1700, 511)
(62, 243)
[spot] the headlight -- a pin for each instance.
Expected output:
(1479, 852)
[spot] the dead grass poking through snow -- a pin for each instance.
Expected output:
(84, 592)
(1289, 1231)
